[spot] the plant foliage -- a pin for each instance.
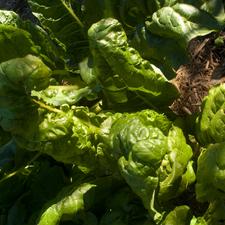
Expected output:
(86, 133)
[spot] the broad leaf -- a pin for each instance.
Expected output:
(182, 22)
(111, 51)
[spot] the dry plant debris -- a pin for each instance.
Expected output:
(205, 70)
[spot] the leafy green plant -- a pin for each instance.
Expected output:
(87, 136)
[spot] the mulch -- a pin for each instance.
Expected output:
(205, 69)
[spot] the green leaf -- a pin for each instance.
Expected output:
(15, 43)
(210, 184)
(23, 75)
(159, 50)
(216, 8)
(17, 78)
(175, 165)
(127, 129)
(198, 221)
(44, 44)
(142, 182)
(180, 215)
(111, 51)
(70, 204)
(59, 95)
(148, 149)
(182, 22)
(210, 123)
(64, 23)
(215, 213)
(86, 71)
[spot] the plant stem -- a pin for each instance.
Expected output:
(72, 13)
(20, 169)
(49, 108)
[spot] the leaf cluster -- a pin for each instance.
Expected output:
(86, 132)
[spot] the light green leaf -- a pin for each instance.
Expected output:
(86, 71)
(174, 165)
(180, 215)
(59, 95)
(70, 204)
(198, 221)
(211, 122)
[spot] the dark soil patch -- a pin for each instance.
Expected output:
(205, 70)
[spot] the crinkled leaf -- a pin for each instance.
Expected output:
(59, 95)
(111, 51)
(75, 131)
(126, 130)
(174, 165)
(211, 123)
(150, 159)
(66, 131)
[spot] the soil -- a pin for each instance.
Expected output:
(205, 70)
